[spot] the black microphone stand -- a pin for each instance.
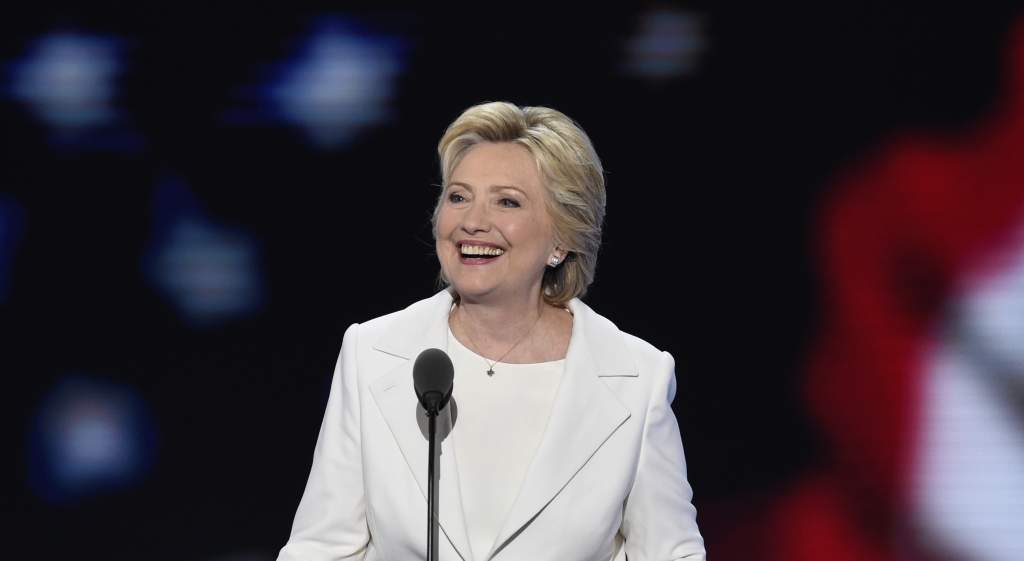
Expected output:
(432, 506)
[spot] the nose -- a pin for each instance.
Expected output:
(476, 218)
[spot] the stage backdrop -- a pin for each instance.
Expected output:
(813, 206)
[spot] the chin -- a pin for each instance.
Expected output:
(474, 290)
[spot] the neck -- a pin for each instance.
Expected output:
(500, 323)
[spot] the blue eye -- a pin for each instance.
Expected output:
(508, 202)
(456, 198)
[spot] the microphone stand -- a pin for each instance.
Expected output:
(432, 484)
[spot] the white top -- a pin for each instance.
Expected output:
(499, 424)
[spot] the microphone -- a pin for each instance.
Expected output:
(432, 376)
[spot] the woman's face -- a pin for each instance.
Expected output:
(493, 230)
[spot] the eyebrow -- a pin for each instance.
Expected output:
(492, 188)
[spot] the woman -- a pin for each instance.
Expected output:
(564, 445)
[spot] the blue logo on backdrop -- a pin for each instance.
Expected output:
(68, 81)
(11, 224)
(340, 83)
(211, 273)
(89, 436)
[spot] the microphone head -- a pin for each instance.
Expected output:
(433, 375)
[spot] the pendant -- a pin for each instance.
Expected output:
(490, 372)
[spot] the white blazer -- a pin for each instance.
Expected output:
(608, 480)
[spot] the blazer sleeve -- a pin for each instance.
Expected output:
(330, 524)
(659, 522)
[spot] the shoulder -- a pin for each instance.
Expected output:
(638, 372)
(610, 344)
(371, 329)
(404, 326)
(646, 355)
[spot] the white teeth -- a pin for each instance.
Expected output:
(481, 250)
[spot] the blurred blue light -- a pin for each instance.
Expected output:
(340, 83)
(668, 43)
(211, 273)
(89, 436)
(68, 81)
(12, 219)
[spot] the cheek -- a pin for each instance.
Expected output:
(530, 233)
(446, 223)
(442, 247)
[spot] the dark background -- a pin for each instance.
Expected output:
(712, 181)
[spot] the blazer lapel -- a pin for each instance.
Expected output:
(421, 326)
(584, 414)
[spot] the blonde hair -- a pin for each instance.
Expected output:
(569, 169)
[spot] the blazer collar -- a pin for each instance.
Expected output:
(412, 329)
(417, 327)
(584, 414)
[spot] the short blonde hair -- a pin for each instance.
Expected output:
(569, 169)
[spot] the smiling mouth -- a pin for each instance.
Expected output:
(481, 252)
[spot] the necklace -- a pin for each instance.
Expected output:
(490, 365)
